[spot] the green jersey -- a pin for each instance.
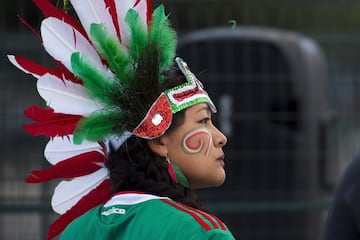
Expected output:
(133, 215)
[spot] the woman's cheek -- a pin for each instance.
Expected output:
(197, 141)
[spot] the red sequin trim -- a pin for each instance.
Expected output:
(151, 129)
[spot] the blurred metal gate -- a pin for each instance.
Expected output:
(269, 87)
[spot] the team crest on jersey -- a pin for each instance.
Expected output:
(114, 210)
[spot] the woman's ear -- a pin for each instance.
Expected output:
(158, 146)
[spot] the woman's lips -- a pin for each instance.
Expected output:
(222, 160)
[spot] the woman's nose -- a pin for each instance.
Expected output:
(220, 139)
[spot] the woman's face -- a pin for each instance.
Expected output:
(196, 147)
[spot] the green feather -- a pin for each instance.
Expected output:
(138, 39)
(137, 71)
(97, 126)
(164, 36)
(95, 82)
(179, 175)
(110, 49)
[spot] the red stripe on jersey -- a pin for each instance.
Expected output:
(204, 214)
(128, 192)
(223, 227)
(194, 215)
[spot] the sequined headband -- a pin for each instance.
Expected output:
(171, 101)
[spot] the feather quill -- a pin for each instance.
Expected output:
(65, 96)
(61, 40)
(60, 148)
(68, 193)
(94, 11)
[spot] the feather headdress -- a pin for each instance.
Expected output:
(106, 87)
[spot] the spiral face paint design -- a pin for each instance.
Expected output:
(197, 141)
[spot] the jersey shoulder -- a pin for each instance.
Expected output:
(157, 217)
(202, 222)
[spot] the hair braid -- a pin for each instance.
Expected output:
(134, 167)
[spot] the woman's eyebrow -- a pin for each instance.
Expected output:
(204, 108)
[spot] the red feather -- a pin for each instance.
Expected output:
(112, 9)
(80, 165)
(148, 10)
(98, 196)
(67, 74)
(30, 27)
(49, 10)
(36, 68)
(48, 123)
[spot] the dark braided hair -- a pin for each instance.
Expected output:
(134, 167)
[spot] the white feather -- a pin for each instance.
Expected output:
(65, 96)
(114, 142)
(122, 7)
(94, 11)
(142, 8)
(68, 193)
(13, 60)
(61, 40)
(61, 148)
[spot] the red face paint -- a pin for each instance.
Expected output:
(197, 141)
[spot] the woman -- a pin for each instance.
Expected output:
(131, 136)
(147, 203)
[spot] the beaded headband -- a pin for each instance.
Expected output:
(171, 101)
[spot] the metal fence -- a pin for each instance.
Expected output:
(249, 204)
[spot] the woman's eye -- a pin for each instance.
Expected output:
(205, 120)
